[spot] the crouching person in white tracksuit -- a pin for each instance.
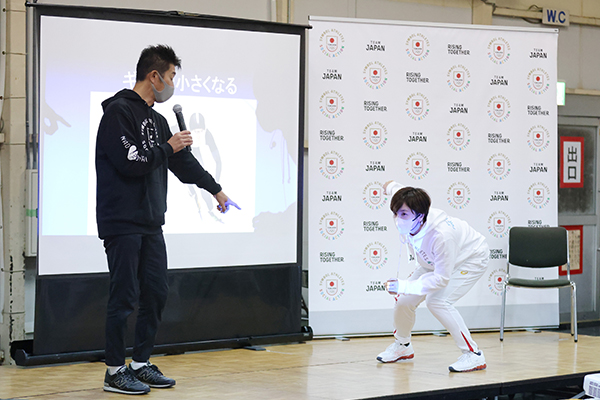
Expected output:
(451, 258)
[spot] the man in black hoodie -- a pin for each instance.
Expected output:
(134, 149)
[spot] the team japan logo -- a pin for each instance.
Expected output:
(498, 166)
(331, 43)
(417, 106)
(373, 196)
(496, 281)
(331, 104)
(498, 50)
(459, 78)
(417, 46)
(538, 195)
(458, 137)
(331, 165)
(538, 81)
(498, 108)
(499, 224)
(538, 138)
(458, 195)
(331, 226)
(331, 286)
(375, 135)
(375, 255)
(417, 166)
(375, 75)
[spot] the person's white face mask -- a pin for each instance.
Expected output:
(408, 223)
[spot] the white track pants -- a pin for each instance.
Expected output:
(441, 304)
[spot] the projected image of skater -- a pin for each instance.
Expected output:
(206, 152)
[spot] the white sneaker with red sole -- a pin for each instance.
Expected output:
(469, 362)
(396, 352)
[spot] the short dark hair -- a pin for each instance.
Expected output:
(159, 57)
(416, 199)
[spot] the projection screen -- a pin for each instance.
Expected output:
(239, 91)
(235, 278)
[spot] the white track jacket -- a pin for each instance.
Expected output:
(443, 245)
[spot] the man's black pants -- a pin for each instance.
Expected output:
(138, 271)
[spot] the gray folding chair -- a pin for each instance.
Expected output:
(539, 248)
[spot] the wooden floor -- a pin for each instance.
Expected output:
(325, 369)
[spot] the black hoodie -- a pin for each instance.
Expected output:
(132, 157)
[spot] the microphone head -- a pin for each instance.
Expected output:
(176, 108)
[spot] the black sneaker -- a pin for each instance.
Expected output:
(151, 376)
(124, 382)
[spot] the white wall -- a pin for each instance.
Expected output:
(382, 9)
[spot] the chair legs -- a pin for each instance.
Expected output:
(503, 310)
(574, 311)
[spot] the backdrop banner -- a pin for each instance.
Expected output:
(467, 113)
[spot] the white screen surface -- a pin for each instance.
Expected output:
(232, 87)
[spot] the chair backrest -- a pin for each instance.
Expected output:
(538, 247)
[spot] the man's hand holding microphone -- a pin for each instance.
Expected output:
(180, 140)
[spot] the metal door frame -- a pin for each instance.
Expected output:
(589, 220)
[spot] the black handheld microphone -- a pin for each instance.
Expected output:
(180, 121)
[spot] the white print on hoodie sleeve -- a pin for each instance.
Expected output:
(131, 148)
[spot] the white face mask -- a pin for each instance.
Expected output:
(406, 226)
(164, 94)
